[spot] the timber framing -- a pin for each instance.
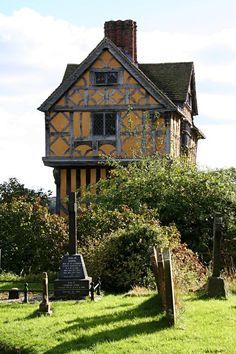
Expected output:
(133, 70)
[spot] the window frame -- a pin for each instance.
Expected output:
(104, 136)
(119, 72)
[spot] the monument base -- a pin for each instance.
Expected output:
(216, 287)
(71, 289)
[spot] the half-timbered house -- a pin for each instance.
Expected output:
(112, 105)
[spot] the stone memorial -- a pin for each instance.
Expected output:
(73, 281)
(44, 306)
(216, 286)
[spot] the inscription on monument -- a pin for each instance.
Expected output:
(72, 267)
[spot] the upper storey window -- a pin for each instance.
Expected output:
(106, 77)
(104, 124)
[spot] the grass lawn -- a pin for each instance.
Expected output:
(119, 324)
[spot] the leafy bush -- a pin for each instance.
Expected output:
(122, 258)
(189, 272)
(32, 239)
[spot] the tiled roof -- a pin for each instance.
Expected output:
(172, 78)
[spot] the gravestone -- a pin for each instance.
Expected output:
(44, 306)
(73, 281)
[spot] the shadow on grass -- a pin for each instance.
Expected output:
(150, 308)
(34, 314)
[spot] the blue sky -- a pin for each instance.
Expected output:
(38, 38)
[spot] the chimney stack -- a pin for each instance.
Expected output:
(123, 34)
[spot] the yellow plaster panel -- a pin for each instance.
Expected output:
(77, 98)
(83, 180)
(129, 79)
(63, 184)
(83, 150)
(137, 96)
(86, 123)
(106, 59)
(116, 96)
(131, 146)
(97, 96)
(76, 124)
(106, 149)
(114, 63)
(73, 180)
(131, 120)
(84, 80)
(60, 121)
(93, 180)
(61, 102)
(59, 147)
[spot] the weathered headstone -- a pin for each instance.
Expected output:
(73, 281)
(44, 306)
(216, 287)
(169, 288)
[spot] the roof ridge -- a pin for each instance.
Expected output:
(106, 43)
(176, 62)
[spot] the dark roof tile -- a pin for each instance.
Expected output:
(172, 78)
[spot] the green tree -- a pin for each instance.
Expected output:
(14, 189)
(32, 239)
(179, 192)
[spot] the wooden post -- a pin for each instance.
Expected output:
(72, 211)
(169, 288)
(44, 306)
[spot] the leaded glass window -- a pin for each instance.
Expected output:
(104, 124)
(106, 77)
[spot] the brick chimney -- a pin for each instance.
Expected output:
(123, 34)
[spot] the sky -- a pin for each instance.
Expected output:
(39, 37)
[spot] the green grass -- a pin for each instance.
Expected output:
(20, 285)
(119, 324)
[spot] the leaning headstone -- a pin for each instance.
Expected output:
(73, 281)
(44, 306)
(169, 288)
(158, 270)
(216, 286)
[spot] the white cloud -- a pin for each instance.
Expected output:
(218, 150)
(217, 106)
(34, 51)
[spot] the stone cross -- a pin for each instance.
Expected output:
(216, 286)
(44, 306)
(217, 231)
(72, 211)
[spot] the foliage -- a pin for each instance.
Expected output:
(14, 189)
(189, 272)
(122, 258)
(178, 191)
(32, 239)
